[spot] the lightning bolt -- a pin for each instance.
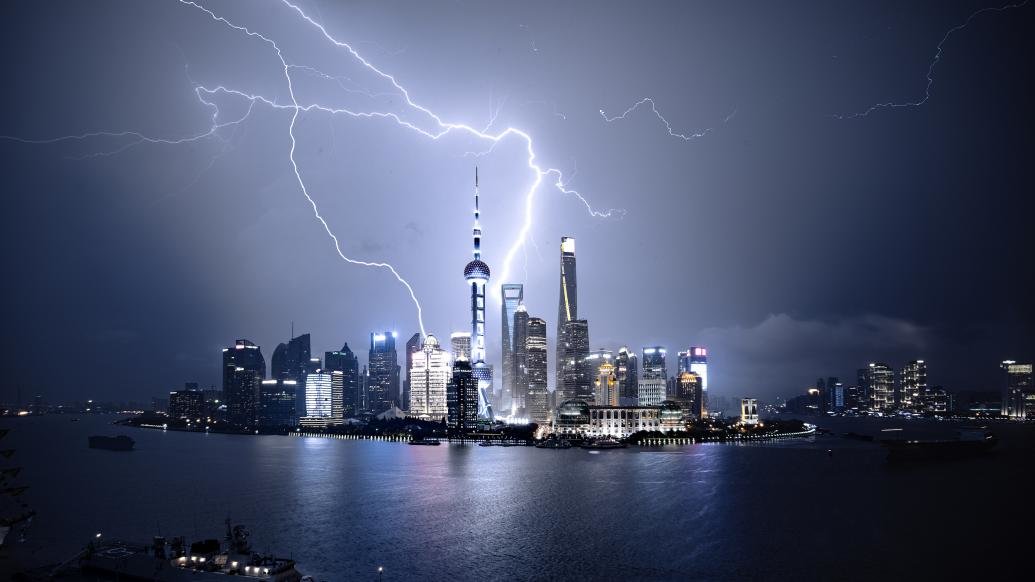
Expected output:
(930, 67)
(668, 126)
(438, 128)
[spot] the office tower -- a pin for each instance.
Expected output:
(748, 411)
(838, 395)
(537, 403)
(699, 366)
(462, 398)
(277, 405)
(880, 385)
(653, 365)
(382, 372)
(476, 274)
(290, 361)
(520, 384)
(606, 384)
(364, 382)
(824, 397)
(244, 368)
(577, 379)
(688, 393)
(567, 310)
(651, 391)
(314, 365)
(1019, 394)
(188, 403)
(346, 362)
(318, 389)
(913, 382)
(513, 294)
(460, 342)
(337, 396)
(682, 362)
(430, 375)
(627, 371)
(412, 346)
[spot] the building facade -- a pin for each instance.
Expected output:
(277, 405)
(880, 384)
(577, 418)
(1019, 393)
(462, 399)
(244, 369)
(567, 311)
(537, 403)
(513, 295)
(382, 372)
(577, 377)
(912, 383)
(346, 362)
(627, 372)
(188, 403)
(430, 377)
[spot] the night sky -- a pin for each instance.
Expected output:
(792, 239)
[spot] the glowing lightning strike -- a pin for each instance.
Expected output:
(668, 126)
(932, 65)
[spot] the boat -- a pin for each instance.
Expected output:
(553, 443)
(176, 561)
(486, 443)
(969, 442)
(108, 443)
(424, 441)
(605, 443)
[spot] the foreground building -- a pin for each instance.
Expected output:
(430, 377)
(577, 418)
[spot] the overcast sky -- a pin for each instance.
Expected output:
(792, 239)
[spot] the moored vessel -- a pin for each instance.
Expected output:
(969, 442)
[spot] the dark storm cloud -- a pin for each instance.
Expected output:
(792, 243)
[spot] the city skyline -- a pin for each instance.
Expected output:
(891, 242)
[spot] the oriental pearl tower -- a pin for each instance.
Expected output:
(476, 274)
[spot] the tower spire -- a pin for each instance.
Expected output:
(477, 228)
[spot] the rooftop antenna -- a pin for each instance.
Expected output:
(292, 330)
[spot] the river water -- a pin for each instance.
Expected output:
(818, 508)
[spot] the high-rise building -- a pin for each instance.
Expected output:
(651, 391)
(337, 396)
(537, 404)
(476, 274)
(430, 375)
(627, 372)
(699, 366)
(277, 405)
(837, 394)
(748, 411)
(244, 368)
(460, 341)
(462, 398)
(606, 384)
(567, 311)
(577, 375)
(513, 294)
(318, 394)
(290, 361)
(880, 385)
(520, 365)
(383, 372)
(413, 346)
(346, 362)
(1019, 394)
(913, 383)
(188, 403)
(653, 365)
(688, 394)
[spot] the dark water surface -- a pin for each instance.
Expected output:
(342, 508)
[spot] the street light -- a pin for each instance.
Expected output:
(380, 573)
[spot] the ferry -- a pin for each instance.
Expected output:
(175, 561)
(117, 443)
(553, 443)
(969, 442)
(605, 443)
(424, 441)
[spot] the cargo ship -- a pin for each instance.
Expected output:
(116, 443)
(176, 561)
(969, 442)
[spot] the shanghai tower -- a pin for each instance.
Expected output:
(567, 311)
(476, 273)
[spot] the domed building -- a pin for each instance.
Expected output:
(572, 417)
(671, 416)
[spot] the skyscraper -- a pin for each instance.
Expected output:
(290, 361)
(577, 378)
(277, 405)
(1019, 393)
(688, 393)
(567, 310)
(476, 273)
(513, 294)
(413, 346)
(606, 384)
(244, 368)
(880, 384)
(347, 363)
(430, 375)
(913, 383)
(460, 341)
(537, 402)
(520, 385)
(383, 372)
(318, 394)
(462, 398)
(699, 366)
(627, 372)
(654, 363)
